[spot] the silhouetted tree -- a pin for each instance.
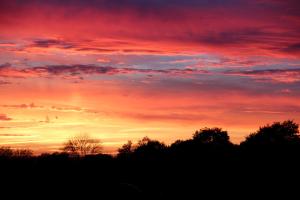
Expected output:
(149, 148)
(6, 152)
(22, 153)
(126, 149)
(153, 170)
(211, 136)
(278, 133)
(207, 143)
(143, 141)
(83, 145)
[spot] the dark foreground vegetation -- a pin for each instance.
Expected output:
(207, 166)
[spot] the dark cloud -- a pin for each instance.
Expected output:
(276, 75)
(265, 71)
(231, 37)
(69, 71)
(5, 65)
(87, 46)
(292, 48)
(261, 38)
(45, 43)
(124, 4)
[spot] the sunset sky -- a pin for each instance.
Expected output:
(125, 69)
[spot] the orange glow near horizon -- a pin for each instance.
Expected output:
(50, 116)
(122, 71)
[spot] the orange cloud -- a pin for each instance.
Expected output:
(3, 117)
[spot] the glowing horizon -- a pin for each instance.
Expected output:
(121, 70)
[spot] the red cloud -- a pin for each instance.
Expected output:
(3, 117)
(4, 82)
(158, 26)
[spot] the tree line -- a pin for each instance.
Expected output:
(206, 166)
(279, 135)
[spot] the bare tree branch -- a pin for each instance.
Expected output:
(83, 145)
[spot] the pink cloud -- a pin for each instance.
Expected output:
(156, 27)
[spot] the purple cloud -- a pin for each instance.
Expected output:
(275, 75)
(69, 71)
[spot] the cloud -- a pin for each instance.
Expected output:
(4, 117)
(22, 106)
(77, 71)
(274, 75)
(4, 82)
(13, 135)
(72, 109)
(60, 108)
(5, 65)
(293, 48)
(153, 26)
(45, 43)
(148, 117)
(78, 45)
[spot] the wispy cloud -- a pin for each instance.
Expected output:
(69, 71)
(72, 109)
(45, 43)
(13, 135)
(275, 75)
(58, 108)
(24, 106)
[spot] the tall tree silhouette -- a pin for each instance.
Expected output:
(83, 145)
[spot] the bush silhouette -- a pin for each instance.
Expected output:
(279, 133)
(215, 136)
(6, 152)
(147, 148)
(126, 149)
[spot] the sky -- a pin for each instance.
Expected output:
(124, 69)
